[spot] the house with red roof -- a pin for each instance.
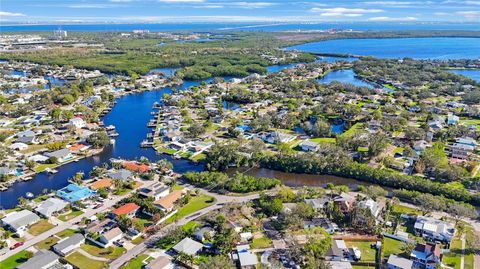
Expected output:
(136, 167)
(129, 210)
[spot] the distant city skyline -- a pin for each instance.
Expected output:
(176, 11)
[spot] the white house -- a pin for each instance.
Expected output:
(20, 221)
(77, 122)
(434, 229)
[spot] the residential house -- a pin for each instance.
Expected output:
(325, 223)
(372, 206)
(162, 262)
(188, 246)
(128, 209)
(318, 203)
(340, 265)
(420, 145)
(345, 201)
(50, 206)
(19, 221)
(395, 262)
(452, 119)
(122, 174)
(201, 234)
(156, 191)
(434, 229)
(68, 245)
(102, 183)
(43, 259)
(309, 146)
(463, 147)
(246, 258)
(78, 123)
(107, 238)
(73, 193)
(62, 155)
(18, 146)
(426, 255)
(167, 203)
(338, 251)
(278, 137)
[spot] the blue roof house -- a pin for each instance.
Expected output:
(73, 193)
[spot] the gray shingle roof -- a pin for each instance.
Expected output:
(188, 246)
(50, 206)
(42, 259)
(21, 218)
(70, 241)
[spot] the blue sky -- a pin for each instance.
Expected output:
(237, 11)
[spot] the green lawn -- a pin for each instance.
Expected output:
(83, 262)
(262, 242)
(195, 204)
(400, 209)
(325, 140)
(136, 263)
(357, 126)
(102, 252)
(138, 240)
(198, 157)
(66, 233)
(452, 259)
(368, 253)
(191, 225)
(391, 246)
(15, 260)
(41, 167)
(166, 150)
(40, 227)
(72, 214)
(47, 243)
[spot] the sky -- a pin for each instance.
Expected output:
(172, 11)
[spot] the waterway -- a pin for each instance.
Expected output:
(470, 73)
(417, 48)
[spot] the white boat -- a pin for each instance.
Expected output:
(112, 141)
(29, 195)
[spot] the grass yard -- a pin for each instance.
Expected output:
(136, 263)
(190, 226)
(40, 227)
(368, 253)
(195, 204)
(401, 209)
(15, 260)
(357, 126)
(66, 233)
(391, 246)
(83, 262)
(47, 243)
(324, 140)
(362, 267)
(72, 214)
(41, 167)
(102, 252)
(138, 240)
(262, 242)
(198, 157)
(452, 259)
(166, 150)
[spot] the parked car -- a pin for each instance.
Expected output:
(17, 245)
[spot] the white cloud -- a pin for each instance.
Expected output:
(252, 4)
(469, 14)
(11, 14)
(345, 10)
(387, 19)
(210, 6)
(339, 15)
(122, 1)
(389, 3)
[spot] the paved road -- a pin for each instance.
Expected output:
(107, 205)
(462, 259)
(140, 248)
